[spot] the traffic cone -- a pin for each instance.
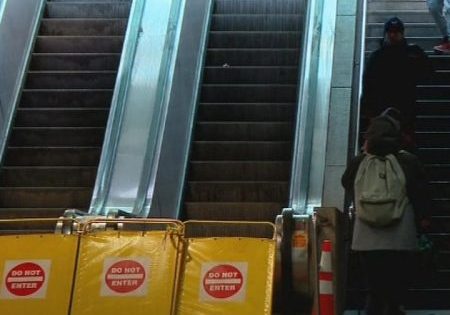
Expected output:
(326, 298)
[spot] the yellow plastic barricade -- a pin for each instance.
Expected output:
(227, 275)
(37, 269)
(130, 270)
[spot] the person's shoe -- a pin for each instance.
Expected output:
(443, 48)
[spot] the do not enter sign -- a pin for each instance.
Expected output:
(125, 277)
(25, 279)
(223, 281)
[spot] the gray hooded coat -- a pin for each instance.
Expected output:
(383, 137)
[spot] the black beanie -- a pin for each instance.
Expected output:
(383, 136)
(394, 24)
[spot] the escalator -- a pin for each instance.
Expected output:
(427, 291)
(51, 159)
(241, 153)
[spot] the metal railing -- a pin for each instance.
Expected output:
(114, 126)
(360, 56)
(308, 165)
(132, 140)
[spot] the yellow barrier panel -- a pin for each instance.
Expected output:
(36, 272)
(128, 272)
(227, 275)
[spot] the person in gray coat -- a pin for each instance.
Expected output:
(385, 252)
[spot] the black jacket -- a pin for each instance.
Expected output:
(390, 79)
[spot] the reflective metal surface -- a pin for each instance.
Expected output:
(159, 118)
(19, 23)
(166, 193)
(2, 8)
(114, 126)
(301, 255)
(358, 77)
(135, 127)
(311, 132)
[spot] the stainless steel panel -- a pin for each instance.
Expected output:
(167, 190)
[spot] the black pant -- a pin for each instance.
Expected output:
(387, 274)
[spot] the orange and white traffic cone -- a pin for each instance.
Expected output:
(326, 298)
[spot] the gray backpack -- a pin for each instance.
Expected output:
(380, 191)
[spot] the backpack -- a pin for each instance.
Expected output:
(380, 191)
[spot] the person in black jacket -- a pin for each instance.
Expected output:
(386, 252)
(391, 77)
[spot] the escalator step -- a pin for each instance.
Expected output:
(237, 191)
(254, 39)
(41, 197)
(57, 136)
(412, 16)
(250, 75)
(433, 107)
(248, 93)
(430, 123)
(259, 7)
(52, 156)
(244, 131)
(438, 172)
(256, 22)
(241, 151)
(441, 62)
(252, 57)
(434, 156)
(71, 80)
(246, 112)
(61, 117)
(83, 27)
(239, 171)
(78, 9)
(233, 211)
(75, 62)
(440, 224)
(433, 139)
(434, 92)
(66, 98)
(79, 44)
(48, 176)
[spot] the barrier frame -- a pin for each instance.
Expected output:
(270, 263)
(44, 257)
(119, 226)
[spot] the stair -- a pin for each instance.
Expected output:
(53, 152)
(241, 153)
(433, 136)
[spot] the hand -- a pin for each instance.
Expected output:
(425, 224)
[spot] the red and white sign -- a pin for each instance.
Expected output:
(223, 281)
(125, 277)
(25, 279)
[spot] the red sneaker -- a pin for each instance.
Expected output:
(443, 48)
